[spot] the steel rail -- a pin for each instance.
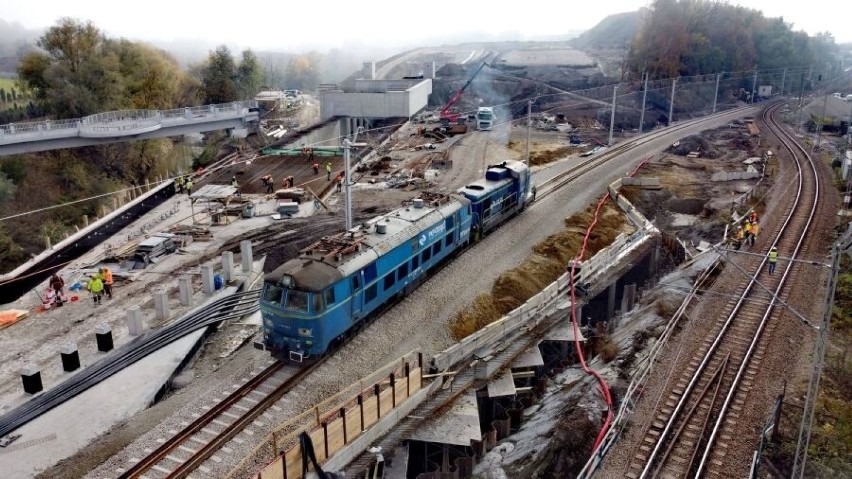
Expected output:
(783, 136)
(231, 306)
(710, 353)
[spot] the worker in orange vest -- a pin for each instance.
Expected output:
(755, 230)
(753, 216)
(105, 275)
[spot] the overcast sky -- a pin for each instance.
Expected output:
(289, 25)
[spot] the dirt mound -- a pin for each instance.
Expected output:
(694, 143)
(548, 262)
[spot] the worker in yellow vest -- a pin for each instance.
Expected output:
(747, 229)
(739, 236)
(96, 287)
(773, 259)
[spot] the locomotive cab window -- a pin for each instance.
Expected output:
(329, 295)
(356, 283)
(390, 279)
(272, 293)
(297, 301)
(402, 272)
(317, 303)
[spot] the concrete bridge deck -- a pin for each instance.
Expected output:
(125, 125)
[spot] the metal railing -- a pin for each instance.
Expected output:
(123, 121)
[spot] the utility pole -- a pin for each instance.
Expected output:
(753, 87)
(644, 95)
(347, 198)
(799, 107)
(671, 101)
(716, 95)
(783, 77)
(821, 119)
(529, 125)
(612, 115)
(802, 444)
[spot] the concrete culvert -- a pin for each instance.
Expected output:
(686, 206)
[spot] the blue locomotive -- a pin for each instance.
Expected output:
(312, 303)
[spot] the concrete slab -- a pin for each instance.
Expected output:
(65, 429)
(504, 385)
(563, 332)
(457, 426)
(529, 359)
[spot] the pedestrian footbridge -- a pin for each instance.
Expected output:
(126, 125)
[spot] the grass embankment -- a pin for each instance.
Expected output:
(831, 440)
(548, 262)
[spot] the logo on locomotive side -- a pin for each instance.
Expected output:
(430, 235)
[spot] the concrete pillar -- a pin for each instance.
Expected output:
(245, 252)
(135, 325)
(47, 244)
(207, 279)
(70, 357)
(147, 185)
(228, 266)
(185, 290)
(629, 298)
(654, 260)
(103, 336)
(31, 377)
(85, 220)
(115, 203)
(161, 305)
(103, 210)
(610, 301)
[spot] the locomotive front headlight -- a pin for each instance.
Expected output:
(306, 332)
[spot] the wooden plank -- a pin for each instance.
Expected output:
(415, 380)
(371, 411)
(318, 438)
(401, 391)
(386, 401)
(273, 470)
(353, 423)
(335, 435)
(293, 460)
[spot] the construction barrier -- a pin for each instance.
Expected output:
(337, 421)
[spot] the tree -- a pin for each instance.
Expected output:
(303, 71)
(2, 95)
(249, 75)
(218, 75)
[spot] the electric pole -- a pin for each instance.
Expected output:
(612, 115)
(753, 87)
(529, 125)
(644, 95)
(716, 95)
(347, 198)
(671, 101)
(783, 77)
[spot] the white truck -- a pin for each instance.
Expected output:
(484, 118)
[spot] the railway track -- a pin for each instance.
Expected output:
(187, 450)
(551, 185)
(694, 422)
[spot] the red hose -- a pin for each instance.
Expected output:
(603, 387)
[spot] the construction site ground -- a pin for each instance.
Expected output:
(37, 338)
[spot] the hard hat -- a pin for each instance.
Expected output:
(774, 248)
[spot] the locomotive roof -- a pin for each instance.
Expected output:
(495, 177)
(337, 256)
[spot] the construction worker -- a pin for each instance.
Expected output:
(105, 275)
(96, 287)
(267, 181)
(328, 171)
(339, 181)
(316, 168)
(747, 228)
(179, 184)
(739, 236)
(755, 230)
(773, 259)
(310, 154)
(753, 216)
(188, 185)
(236, 185)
